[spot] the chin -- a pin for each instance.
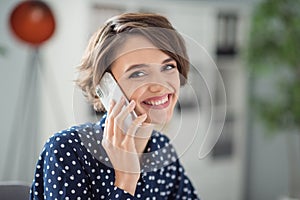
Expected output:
(159, 118)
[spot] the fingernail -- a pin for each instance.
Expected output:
(122, 99)
(132, 103)
(111, 102)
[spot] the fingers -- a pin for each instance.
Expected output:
(113, 112)
(120, 146)
(134, 126)
(117, 108)
(109, 123)
(123, 115)
(115, 131)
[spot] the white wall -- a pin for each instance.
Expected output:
(59, 57)
(11, 68)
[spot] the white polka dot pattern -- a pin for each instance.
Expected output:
(74, 165)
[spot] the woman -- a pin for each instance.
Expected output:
(148, 59)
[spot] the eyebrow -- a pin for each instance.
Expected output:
(137, 66)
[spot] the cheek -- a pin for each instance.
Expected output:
(133, 92)
(175, 83)
(136, 96)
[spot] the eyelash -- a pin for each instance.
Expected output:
(169, 65)
(139, 74)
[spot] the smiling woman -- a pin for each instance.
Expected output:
(148, 60)
(149, 77)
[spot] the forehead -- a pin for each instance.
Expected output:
(133, 44)
(138, 50)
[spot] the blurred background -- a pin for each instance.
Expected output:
(255, 46)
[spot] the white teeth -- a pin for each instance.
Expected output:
(159, 102)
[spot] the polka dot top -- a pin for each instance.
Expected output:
(74, 165)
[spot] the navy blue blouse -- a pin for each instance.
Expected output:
(74, 165)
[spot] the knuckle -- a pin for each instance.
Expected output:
(104, 144)
(110, 119)
(122, 145)
(117, 119)
(137, 122)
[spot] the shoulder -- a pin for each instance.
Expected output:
(160, 138)
(158, 141)
(74, 137)
(158, 153)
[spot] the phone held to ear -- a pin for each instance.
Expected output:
(108, 89)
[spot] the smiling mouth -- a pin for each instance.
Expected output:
(160, 102)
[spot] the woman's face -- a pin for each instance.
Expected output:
(149, 77)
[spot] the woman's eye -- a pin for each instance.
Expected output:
(168, 67)
(137, 74)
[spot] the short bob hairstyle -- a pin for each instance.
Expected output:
(102, 48)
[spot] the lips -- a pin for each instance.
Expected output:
(158, 102)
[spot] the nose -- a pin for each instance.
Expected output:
(156, 87)
(158, 83)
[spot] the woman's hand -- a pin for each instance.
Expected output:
(120, 146)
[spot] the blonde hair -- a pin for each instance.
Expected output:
(102, 46)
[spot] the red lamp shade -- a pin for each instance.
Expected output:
(32, 21)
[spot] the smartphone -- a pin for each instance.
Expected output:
(108, 89)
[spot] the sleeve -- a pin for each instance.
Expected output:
(183, 186)
(59, 173)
